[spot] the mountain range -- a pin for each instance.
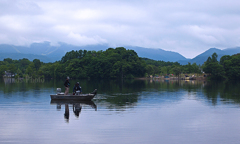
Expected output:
(201, 58)
(47, 53)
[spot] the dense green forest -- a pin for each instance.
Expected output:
(227, 68)
(117, 63)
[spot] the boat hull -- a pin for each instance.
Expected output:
(81, 97)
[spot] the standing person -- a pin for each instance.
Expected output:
(67, 85)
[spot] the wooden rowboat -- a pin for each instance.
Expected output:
(80, 97)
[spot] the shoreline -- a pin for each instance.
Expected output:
(172, 78)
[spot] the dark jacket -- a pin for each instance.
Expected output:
(67, 83)
(77, 88)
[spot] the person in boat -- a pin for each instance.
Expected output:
(67, 85)
(77, 89)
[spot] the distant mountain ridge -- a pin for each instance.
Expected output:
(31, 57)
(55, 53)
(157, 54)
(47, 53)
(201, 58)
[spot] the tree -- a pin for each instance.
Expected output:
(164, 70)
(189, 68)
(232, 67)
(214, 57)
(168, 69)
(37, 64)
(9, 60)
(155, 70)
(19, 73)
(217, 71)
(224, 58)
(117, 70)
(149, 69)
(177, 70)
(30, 69)
(196, 68)
(75, 69)
(212, 67)
(3, 68)
(12, 68)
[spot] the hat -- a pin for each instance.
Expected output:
(67, 77)
(77, 82)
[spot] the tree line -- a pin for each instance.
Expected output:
(227, 68)
(117, 63)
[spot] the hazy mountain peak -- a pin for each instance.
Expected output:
(200, 59)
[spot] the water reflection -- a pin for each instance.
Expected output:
(77, 109)
(129, 111)
(76, 106)
(9, 80)
(225, 92)
(66, 114)
(121, 94)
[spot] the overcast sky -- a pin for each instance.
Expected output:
(188, 27)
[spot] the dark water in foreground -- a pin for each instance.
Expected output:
(128, 112)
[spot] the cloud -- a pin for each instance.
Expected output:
(179, 26)
(84, 40)
(15, 7)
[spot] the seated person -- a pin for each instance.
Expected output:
(77, 89)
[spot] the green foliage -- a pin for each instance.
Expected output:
(177, 70)
(3, 68)
(149, 69)
(37, 63)
(112, 63)
(231, 66)
(214, 57)
(12, 68)
(212, 67)
(8, 60)
(19, 73)
(30, 69)
(117, 63)
(159, 63)
(164, 70)
(189, 68)
(224, 58)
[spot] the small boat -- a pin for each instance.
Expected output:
(80, 97)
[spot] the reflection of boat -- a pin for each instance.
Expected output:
(82, 97)
(76, 105)
(74, 102)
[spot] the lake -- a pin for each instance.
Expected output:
(124, 111)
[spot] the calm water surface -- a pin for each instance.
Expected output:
(128, 111)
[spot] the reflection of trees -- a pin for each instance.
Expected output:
(225, 91)
(173, 86)
(125, 94)
(211, 92)
(23, 86)
(230, 91)
(119, 101)
(122, 94)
